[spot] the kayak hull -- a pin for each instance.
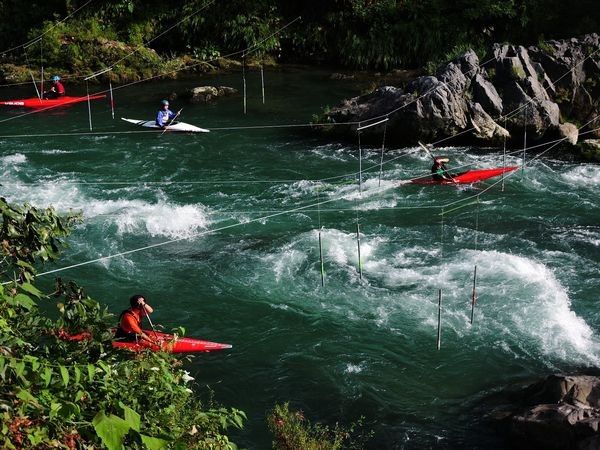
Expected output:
(469, 177)
(36, 103)
(165, 342)
(180, 127)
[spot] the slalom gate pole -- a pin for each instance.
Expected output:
(89, 104)
(244, 80)
(112, 100)
(474, 294)
(439, 327)
(262, 81)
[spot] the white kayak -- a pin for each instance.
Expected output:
(182, 127)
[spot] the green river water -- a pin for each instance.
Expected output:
(353, 348)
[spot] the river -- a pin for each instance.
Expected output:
(353, 347)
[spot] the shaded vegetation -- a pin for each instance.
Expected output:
(293, 431)
(376, 34)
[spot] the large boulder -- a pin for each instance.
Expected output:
(519, 90)
(205, 94)
(560, 412)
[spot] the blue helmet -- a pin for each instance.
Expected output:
(165, 103)
(55, 78)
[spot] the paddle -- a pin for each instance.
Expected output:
(433, 157)
(150, 321)
(171, 121)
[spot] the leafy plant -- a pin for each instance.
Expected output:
(292, 431)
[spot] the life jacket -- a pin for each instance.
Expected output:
(123, 335)
(60, 89)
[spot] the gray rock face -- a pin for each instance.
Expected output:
(486, 95)
(562, 412)
(533, 87)
(204, 94)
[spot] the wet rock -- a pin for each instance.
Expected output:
(560, 412)
(205, 94)
(341, 76)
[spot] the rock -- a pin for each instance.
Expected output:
(560, 412)
(484, 126)
(204, 94)
(569, 131)
(485, 94)
(590, 149)
(224, 91)
(532, 86)
(341, 76)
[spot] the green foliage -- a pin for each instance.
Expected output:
(377, 34)
(29, 235)
(292, 431)
(59, 393)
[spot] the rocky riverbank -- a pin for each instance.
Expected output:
(561, 412)
(550, 91)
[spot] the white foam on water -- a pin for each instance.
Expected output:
(586, 175)
(525, 296)
(160, 218)
(353, 368)
(156, 219)
(287, 263)
(13, 160)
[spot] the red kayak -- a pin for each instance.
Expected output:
(165, 342)
(469, 177)
(48, 103)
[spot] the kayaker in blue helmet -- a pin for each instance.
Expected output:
(56, 90)
(439, 171)
(165, 116)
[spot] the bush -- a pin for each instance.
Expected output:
(292, 431)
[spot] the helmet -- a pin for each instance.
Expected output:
(165, 103)
(55, 78)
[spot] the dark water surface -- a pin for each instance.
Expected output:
(351, 348)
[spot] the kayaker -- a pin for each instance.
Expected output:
(56, 90)
(439, 171)
(130, 321)
(165, 116)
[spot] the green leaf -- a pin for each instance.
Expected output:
(131, 417)
(91, 370)
(46, 376)
(64, 373)
(153, 443)
(77, 371)
(26, 396)
(31, 289)
(26, 265)
(111, 430)
(23, 301)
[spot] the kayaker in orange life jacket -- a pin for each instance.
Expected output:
(439, 171)
(130, 321)
(56, 90)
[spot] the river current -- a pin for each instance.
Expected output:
(353, 347)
